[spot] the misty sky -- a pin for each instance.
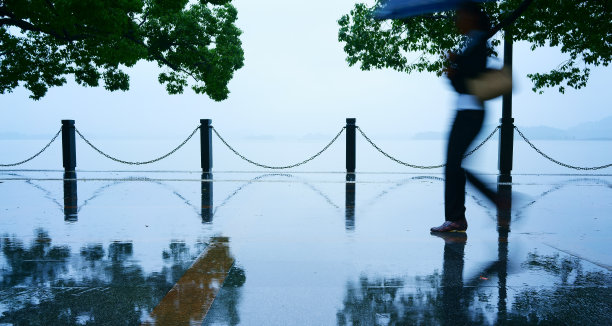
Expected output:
(296, 82)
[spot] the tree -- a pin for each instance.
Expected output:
(44, 41)
(582, 29)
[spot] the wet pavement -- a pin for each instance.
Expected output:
(182, 248)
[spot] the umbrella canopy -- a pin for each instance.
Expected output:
(398, 9)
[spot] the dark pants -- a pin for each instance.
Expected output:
(465, 128)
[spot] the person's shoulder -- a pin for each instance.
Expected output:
(476, 34)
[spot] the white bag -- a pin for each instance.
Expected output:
(491, 84)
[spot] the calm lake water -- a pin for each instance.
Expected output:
(285, 152)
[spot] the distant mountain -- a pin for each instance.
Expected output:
(593, 130)
(545, 133)
(601, 129)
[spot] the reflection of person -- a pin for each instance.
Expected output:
(454, 304)
(467, 63)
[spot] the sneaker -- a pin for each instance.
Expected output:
(449, 226)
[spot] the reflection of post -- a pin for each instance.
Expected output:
(350, 201)
(207, 197)
(503, 229)
(70, 196)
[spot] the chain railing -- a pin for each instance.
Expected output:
(423, 166)
(35, 155)
(137, 163)
(278, 167)
(558, 162)
(334, 139)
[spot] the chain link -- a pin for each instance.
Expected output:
(482, 143)
(424, 166)
(279, 167)
(557, 162)
(137, 163)
(35, 155)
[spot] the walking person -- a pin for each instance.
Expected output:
(469, 62)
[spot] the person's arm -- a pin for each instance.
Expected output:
(468, 63)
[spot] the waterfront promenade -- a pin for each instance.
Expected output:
(266, 248)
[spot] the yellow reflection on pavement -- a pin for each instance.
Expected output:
(192, 296)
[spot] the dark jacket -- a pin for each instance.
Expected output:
(471, 61)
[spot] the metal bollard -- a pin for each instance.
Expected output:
(506, 144)
(350, 144)
(68, 145)
(506, 133)
(206, 145)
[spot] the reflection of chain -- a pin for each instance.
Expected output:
(426, 166)
(557, 162)
(35, 155)
(279, 167)
(137, 163)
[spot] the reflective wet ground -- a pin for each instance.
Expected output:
(180, 248)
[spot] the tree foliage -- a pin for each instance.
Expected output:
(44, 41)
(582, 29)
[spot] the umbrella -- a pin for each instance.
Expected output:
(398, 9)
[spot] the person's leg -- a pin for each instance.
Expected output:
(484, 189)
(454, 175)
(466, 126)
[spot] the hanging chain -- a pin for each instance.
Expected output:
(35, 155)
(424, 166)
(557, 162)
(279, 167)
(137, 163)
(482, 143)
(308, 159)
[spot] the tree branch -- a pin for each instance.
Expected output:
(5, 12)
(511, 18)
(27, 26)
(143, 19)
(19, 23)
(161, 58)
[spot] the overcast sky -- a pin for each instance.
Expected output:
(296, 82)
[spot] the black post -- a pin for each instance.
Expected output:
(506, 135)
(70, 196)
(207, 197)
(206, 145)
(68, 145)
(349, 210)
(350, 145)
